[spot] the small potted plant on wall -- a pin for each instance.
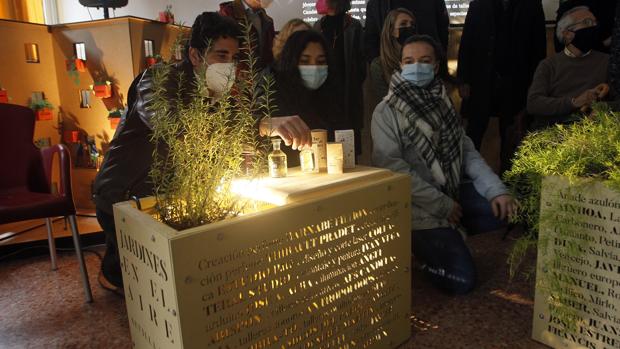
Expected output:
(75, 65)
(4, 97)
(115, 118)
(43, 109)
(167, 16)
(102, 89)
(152, 60)
(70, 137)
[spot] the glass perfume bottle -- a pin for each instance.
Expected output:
(277, 160)
(307, 159)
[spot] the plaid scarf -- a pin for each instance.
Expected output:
(433, 129)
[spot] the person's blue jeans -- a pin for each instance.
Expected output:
(111, 264)
(442, 253)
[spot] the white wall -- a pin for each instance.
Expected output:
(186, 10)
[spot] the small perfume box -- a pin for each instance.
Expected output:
(347, 138)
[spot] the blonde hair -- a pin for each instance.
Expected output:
(390, 48)
(285, 32)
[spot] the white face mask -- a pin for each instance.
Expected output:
(313, 76)
(220, 77)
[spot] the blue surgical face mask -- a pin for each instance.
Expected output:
(313, 76)
(420, 74)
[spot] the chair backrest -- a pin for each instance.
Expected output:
(21, 167)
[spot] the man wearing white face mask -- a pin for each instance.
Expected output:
(416, 131)
(124, 172)
(219, 77)
(263, 32)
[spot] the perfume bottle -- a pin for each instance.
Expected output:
(277, 160)
(307, 159)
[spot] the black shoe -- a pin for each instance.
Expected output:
(108, 286)
(111, 269)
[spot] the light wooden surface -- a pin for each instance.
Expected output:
(298, 186)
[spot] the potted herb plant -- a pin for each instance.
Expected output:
(567, 179)
(152, 60)
(195, 252)
(70, 137)
(102, 89)
(43, 109)
(167, 16)
(75, 65)
(4, 97)
(114, 117)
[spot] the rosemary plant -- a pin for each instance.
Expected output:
(582, 152)
(200, 141)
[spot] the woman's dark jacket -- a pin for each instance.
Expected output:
(354, 66)
(319, 109)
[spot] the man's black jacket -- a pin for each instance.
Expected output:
(125, 169)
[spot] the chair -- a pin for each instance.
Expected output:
(25, 181)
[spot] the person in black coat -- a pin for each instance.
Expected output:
(306, 85)
(614, 58)
(344, 35)
(432, 20)
(502, 43)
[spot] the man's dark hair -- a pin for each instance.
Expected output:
(287, 66)
(210, 26)
(340, 6)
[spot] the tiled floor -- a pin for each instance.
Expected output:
(44, 309)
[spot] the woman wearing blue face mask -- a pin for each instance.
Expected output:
(416, 131)
(305, 86)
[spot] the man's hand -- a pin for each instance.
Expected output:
(292, 129)
(456, 214)
(503, 206)
(589, 96)
(601, 90)
(585, 98)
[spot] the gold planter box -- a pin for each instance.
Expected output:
(326, 265)
(579, 250)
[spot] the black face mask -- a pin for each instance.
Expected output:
(586, 38)
(405, 33)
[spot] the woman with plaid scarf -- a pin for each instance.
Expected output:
(416, 130)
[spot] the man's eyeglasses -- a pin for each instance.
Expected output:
(588, 22)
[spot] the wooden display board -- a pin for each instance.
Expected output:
(328, 270)
(579, 248)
